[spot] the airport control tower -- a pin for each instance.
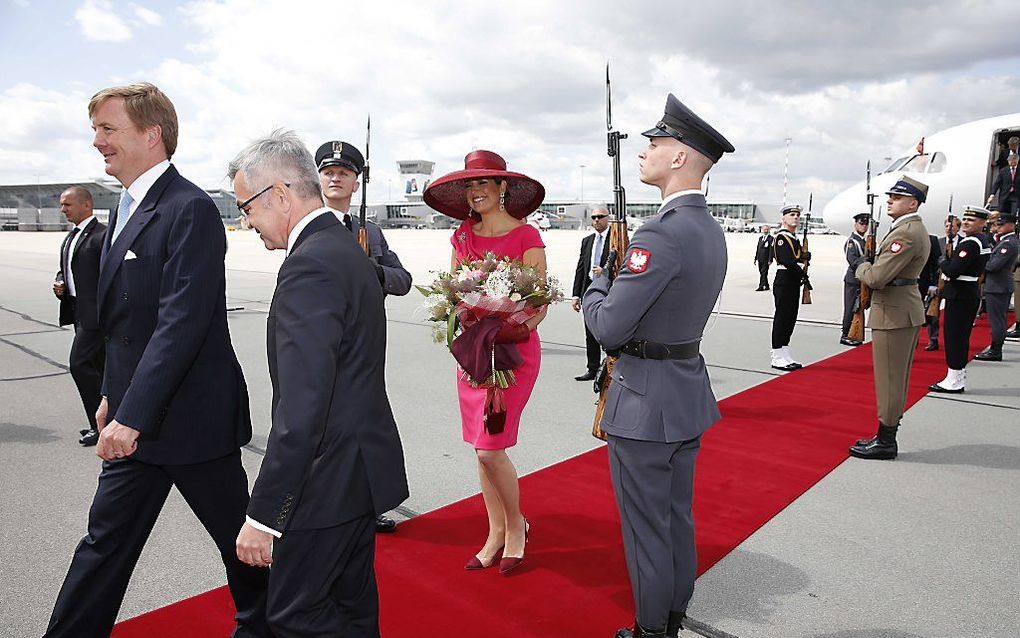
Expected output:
(416, 175)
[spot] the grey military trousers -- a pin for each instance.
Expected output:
(654, 484)
(997, 306)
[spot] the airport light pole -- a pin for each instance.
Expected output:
(582, 183)
(786, 168)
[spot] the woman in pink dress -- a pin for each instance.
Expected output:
(493, 203)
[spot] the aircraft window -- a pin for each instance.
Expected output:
(938, 163)
(917, 164)
(896, 163)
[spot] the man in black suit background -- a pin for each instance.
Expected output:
(175, 405)
(75, 286)
(594, 251)
(334, 459)
(764, 254)
(1006, 188)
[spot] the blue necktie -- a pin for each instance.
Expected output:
(596, 257)
(123, 213)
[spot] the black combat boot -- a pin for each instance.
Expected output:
(870, 441)
(883, 447)
(991, 353)
(637, 631)
(675, 624)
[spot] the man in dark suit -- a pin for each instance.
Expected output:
(1006, 188)
(340, 164)
(764, 253)
(594, 252)
(75, 287)
(175, 406)
(334, 459)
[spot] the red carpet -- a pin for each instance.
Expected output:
(574, 582)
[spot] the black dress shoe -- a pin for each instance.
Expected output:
(882, 447)
(637, 631)
(84, 431)
(847, 341)
(1013, 334)
(90, 438)
(385, 525)
(932, 345)
(988, 354)
(587, 376)
(937, 388)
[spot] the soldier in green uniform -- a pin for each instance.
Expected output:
(897, 311)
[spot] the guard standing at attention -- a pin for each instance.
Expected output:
(854, 250)
(963, 297)
(660, 399)
(339, 165)
(786, 288)
(999, 285)
(763, 255)
(897, 312)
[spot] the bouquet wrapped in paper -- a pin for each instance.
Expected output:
(479, 310)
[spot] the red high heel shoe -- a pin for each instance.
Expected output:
(475, 563)
(507, 565)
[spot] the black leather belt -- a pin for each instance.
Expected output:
(902, 282)
(651, 350)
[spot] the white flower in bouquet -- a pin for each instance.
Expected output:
(499, 284)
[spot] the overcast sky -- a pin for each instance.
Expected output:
(846, 81)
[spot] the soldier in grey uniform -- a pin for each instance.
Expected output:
(897, 312)
(660, 399)
(339, 165)
(854, 250)
(999, 285)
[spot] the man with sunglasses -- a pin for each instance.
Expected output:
(594, 252)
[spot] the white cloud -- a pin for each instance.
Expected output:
(98, 22)
(147, 16)
(444, 77)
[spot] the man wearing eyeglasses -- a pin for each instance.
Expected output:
(594, 252)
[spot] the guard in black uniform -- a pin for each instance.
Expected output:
(786, 288)
(854, 250)
(962, 297)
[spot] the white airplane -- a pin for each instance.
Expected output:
(956, 162)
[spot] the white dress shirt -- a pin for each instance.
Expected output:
(69, 275)
(672, 196)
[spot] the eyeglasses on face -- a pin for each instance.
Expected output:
(599, 216)
(243, 206)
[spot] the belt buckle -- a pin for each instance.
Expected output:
(659, 351)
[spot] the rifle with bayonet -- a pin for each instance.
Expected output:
(805, 295)
(617, 249)
(856, 331)
(363, 213)
(934, 302)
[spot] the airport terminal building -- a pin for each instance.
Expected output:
(36, 207)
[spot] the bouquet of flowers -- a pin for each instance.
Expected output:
(479, 310)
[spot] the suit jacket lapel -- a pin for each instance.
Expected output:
(146, 212)
(88, 230)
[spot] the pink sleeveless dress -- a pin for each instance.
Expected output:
(467, 244)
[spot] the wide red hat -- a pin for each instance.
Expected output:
(446, 194)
